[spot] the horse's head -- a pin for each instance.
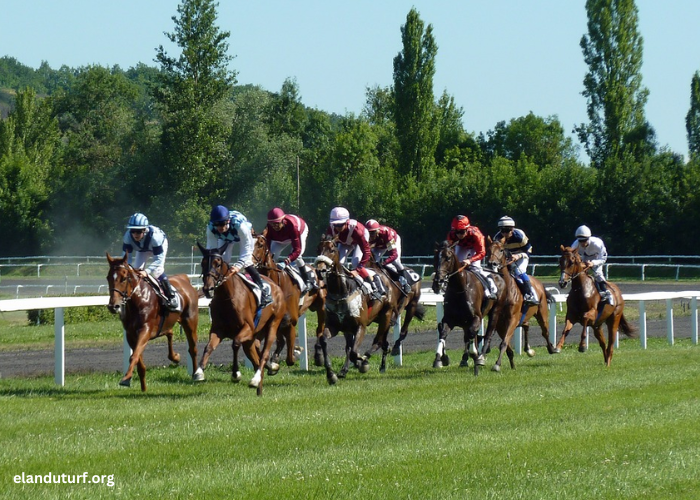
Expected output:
(497, 255)
(122, 280)
(445, 264)
(570, 265)
(328, 256)
(261, 253)
(214, 268)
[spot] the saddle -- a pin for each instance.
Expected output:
(255, 288)
(161, 294)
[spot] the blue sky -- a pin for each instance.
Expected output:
(500, 59)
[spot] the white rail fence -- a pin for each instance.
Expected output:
(427, 298)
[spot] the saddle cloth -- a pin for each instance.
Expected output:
(161, 294)
(255, 288)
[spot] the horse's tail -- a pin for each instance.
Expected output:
(626, 328)
(420, 312)
(549, 296)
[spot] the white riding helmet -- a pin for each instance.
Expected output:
(506, 221)
(137, 221)
(583, 233)
(339, 215)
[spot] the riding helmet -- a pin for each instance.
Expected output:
(460, 222)
(372, 225)
(339, 215)
(275, 215)
(583, 233)
(506, 221)
(137, 221)
(219, 214)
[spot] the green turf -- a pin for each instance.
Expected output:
(558, 427)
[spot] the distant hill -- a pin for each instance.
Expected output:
(7, 99)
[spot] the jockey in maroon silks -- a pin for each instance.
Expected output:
(385, 240)
(470, 249)
(352, 239)
(284, 230)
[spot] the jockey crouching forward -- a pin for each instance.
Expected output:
(470, 250)
(228, 227)
(285, 229)
(142, 241)
(516, 242)
(352, 239)
(385, 240)
(594, 255)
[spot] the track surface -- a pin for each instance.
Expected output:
(31, 363)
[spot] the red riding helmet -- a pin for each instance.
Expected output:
(460, 222)
(372, 225)
(275, 215)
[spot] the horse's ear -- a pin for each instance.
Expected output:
(109, 257)
(488, 239)
(222, 249)
(201, 248)
(562, 248)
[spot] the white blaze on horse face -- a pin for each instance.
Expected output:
(114, 277)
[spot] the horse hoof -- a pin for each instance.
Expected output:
(125, 382)
(253, 385)
(445, 360)
(342, 374)
(176, 359)
(318, 357)
(496, 368)
(556, 350)
(198, 376)
(480, 361)
(531, 353)
(332, 379)
(464, 363)
(273, 369)
(396, 350)
(437, 364)
(364, 367)
(236, 377)
(581, 348)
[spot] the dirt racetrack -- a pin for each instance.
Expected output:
(41, 362)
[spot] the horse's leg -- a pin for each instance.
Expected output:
(279, 346)
(385, 352)
(172, 355)
(582, 345)
(142, 337)
(410, 312)
(568, 325)
(214, 341)
(526, 338)
(348, 349)
(441, 357)
(598, 333)
(541, 317)
(471, 349)
(613, 326)
(190, 327)
(331, 377)
(236, 375)
(141, 369)
(319, 359)
(259, 377)
(291, 336)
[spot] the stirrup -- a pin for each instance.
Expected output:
(530, 299)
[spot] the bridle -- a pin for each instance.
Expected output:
(442, 282)
(219, 273)
(565, 272)
(131, 277)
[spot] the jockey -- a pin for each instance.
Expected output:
(143, 241)
(470, 250)
(383, 239)
(593, 254)
(228, 227)
(516, 241)
(352, 239)
(285, 229)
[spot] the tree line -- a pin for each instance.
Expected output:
(83, 148)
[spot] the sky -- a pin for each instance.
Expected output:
(499, 59)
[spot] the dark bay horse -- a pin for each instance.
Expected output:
(297, 304)
(465, 305)
(584, 306)
(349, 310)
(234, 315)
(498, 258)
(144, 318)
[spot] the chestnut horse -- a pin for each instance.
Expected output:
(235, 315)
(498, 258)
(297, 304)
(349, 310)
(144, 317)
(465, 305)
(584, 306)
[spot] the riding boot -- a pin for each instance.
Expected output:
(169, 291)
(310, 284)
(529, 296)
(379, 285)
(492, 289)
(375, 292)
(605, 294)
(265, 298)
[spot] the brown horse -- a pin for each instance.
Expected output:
(465, 305)
(584, 305)
(145, 318)
(297, 304)
(235, 315)
(498, 259)
(349, 310)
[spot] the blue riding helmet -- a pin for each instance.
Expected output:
(137, 221)
(219, 214)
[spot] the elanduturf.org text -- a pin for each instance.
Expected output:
(52, 478)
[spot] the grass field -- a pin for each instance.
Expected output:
(559, 427)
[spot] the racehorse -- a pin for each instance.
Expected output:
(297, 304)
(498, 258)
(465, 305)
(349, 310)
(584, 305)
(144, 317)
(235, 315)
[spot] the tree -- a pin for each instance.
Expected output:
(414, 106)
(692, 119)
(612, 49)
(191, 92)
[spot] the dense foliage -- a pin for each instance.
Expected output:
(83, 148)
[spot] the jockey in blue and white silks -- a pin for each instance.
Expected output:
(517, 243)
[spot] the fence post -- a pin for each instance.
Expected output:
(552, 322)
(301, 331)
(59, 347)
(694, 320)
(669, 321)
(126, 356)
(642, 324)
(396, 333)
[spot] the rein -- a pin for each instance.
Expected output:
(126, 296)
